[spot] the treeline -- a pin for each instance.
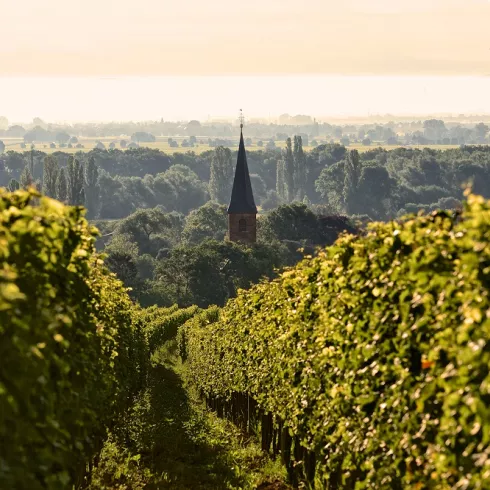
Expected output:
(368, 365)
(421, 132)
(379, 184)
(75, 350)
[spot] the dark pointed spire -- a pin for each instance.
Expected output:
(242, 198)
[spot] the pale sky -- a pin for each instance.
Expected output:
(180, 59)
(196, 37)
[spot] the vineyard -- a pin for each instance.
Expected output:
(89, 397)
(366, 366)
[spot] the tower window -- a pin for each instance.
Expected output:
(242, 225)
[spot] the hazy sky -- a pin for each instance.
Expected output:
(198, 37)
(184, 98)
(113, 60)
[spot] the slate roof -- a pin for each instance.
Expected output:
(242, 198)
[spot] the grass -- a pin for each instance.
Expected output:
(171, 441)
(162, 144)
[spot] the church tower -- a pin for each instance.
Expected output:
(242, 212)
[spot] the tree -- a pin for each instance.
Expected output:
(26, 179)
(330, 185)
(189, 190)
(143, 137)
(299, 168)
(92, 190)
(481, 131)
(221, 180)
(147, 228)
(50, 179)
(61, 187)
(13, 185)
(289, 171)
(280, 180)
(62, 137)
(75, 182)
(352, 171)
(186, 274)
(258, 186)
(2, 147)
(271, 201)
(374, 191)
(294, 222)
(16, 131)
(122, 256)
(434, 129)
(208, 221)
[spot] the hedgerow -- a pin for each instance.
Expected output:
(72, 349)
(371, 360)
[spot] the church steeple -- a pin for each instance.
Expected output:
(242, 210)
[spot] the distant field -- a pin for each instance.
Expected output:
(162, 144)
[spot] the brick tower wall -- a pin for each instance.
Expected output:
(234, 233)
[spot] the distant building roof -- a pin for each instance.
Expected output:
(242, 198)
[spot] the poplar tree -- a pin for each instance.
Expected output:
(26, 179)
(31, 164)
(61, 186)
(289, 171)
(299, 168)
(75, 182)
(13, 185)
(351, 181)
(50, 176)
(92, 189)
(221, 179)
(280, 182)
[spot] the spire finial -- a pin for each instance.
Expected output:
(242, 119)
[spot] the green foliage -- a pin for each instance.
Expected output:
(61, 186)
(299, 168)
(190, 192)
(221, 179)
(375, 354)
(50, 176)
(13, 186)
(149, 229)
(289, 171)
(208, 221)
(211, 272)
(351, 182)
(92, 189)
(75, 182)
(280, 180)
(72, 349)
(164, 325)
(26, 179)
(294, 222)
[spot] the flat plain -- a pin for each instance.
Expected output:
(161, 143)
